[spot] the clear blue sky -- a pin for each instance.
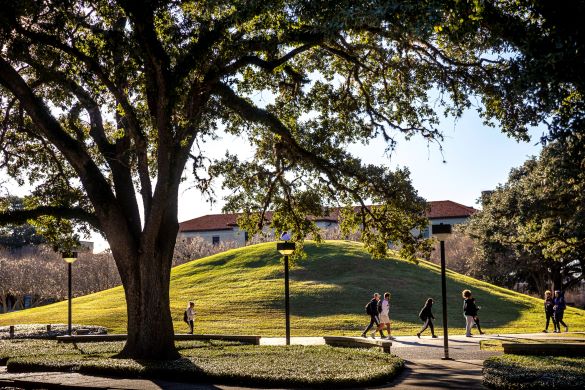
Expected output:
(477, 158)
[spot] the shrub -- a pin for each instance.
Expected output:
(534, 372)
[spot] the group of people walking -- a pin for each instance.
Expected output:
(554, 308)
(379, 312)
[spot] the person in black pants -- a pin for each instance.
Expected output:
(548, 310)
(476, 317)
(426, 315)
(559, 306)
(372, 310)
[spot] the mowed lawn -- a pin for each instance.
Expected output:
(242, 292)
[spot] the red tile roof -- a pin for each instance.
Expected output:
(449, 209)
(438, 209)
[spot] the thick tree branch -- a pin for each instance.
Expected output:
(268, 66)
(94, 182)
(76, 213)
(94, 67)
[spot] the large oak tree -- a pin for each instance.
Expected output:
(532, 228)
(104, 103)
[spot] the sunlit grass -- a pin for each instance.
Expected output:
(212, 361)
(241, 292)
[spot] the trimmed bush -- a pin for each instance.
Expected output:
(534, 372)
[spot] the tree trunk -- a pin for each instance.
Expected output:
(557, 277)
(146, 278)
(150, 326)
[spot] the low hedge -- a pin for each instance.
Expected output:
(223, 362)
(39, 331)
(534, 372)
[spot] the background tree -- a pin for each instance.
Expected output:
(17, 236)
(459, 249)
(104, 103)
(535, 221)
(39, 273)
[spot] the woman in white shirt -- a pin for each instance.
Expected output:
(385, 314)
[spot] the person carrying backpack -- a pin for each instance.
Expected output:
(476, 317)
(372, 311)
(559, 310)
(469, 311)
(189, 316)
(426, 315)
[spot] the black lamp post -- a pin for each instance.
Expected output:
(286, 248)
(70, 258)
(441, 232)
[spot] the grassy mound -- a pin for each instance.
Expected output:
(217, 362)
(241, 292)
(534, 372)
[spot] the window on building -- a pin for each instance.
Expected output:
(426, 233)
(246, 236)
(215, 240)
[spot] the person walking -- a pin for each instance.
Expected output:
(372, 311)
(384, 310)
(476, 317)
(189, 316)
(469, 311)
(426, 315)
(548, 310)
(559, 310)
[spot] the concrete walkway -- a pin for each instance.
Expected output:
(424, 368)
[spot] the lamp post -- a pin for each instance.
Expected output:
(286, 248)
(70, 258)
(441, 232)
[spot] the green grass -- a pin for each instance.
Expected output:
(534, 372)
(241, 292)
(217, 362)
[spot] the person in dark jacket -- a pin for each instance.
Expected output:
(426, 315)
(476, 317)
(559, 310)
(469, 311)
(372, 310)
(548, 310)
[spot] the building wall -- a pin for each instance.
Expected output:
(235, 234)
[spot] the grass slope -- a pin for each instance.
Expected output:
(241, 292)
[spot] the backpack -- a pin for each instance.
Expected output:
(423, 315)
(369, 309)
(185, 317)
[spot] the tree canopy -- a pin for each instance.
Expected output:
(105, 102)
(535, 222)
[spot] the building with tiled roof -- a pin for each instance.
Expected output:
(218, 228)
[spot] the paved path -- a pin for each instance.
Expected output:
(424, 368)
